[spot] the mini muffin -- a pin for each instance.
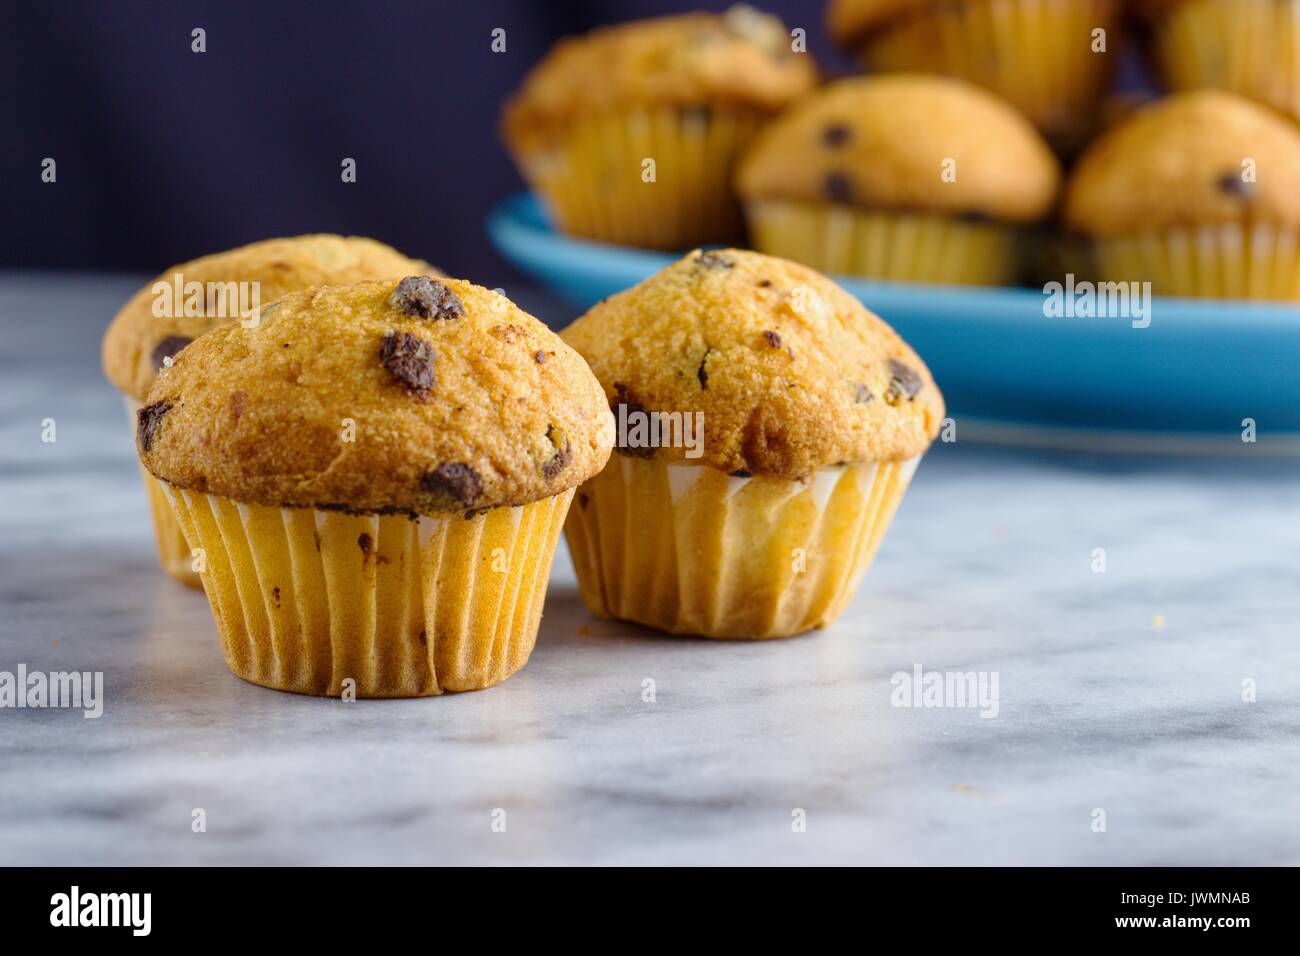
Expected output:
(907, 177)
(767, 426)
(630, 133)
(159, 321)
(1199, 194)
(1043, 56)
(1250, 47)
(375, 478)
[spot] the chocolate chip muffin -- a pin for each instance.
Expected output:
(1198, 194)
(375, 477)
(915, 178)
(1249, 47)
(629, 134)
(191, 299)
(1052, 59)
(767, 427)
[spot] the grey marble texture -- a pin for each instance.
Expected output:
(1119, 690)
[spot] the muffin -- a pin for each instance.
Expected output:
(767, 426)
(1250, 47)
(375, 478)
(907, 177)
(629, 134)
(152, 327)
(1040, 55)
(1199, 194)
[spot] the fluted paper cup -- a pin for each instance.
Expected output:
(306, 600)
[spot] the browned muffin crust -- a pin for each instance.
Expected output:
(454, 398)
(791, 372)
(882, 142)
(740, 59)
(1180, 162)
(138, 341)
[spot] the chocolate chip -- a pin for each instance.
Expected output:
(904, 382)
(764, 283)
(363, 542)
(563, 453)
(427, 298)
(714, 260)
(455, 479)
(741, 473)
(409, 359)
(1233, 185)
(147, 421)
(838, 187)
(539, 357)
(862, 394)
(773, 339)
(702, 373)
(836, 135)
(167, 348)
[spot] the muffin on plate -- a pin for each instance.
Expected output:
(375, 477)
(1249, 47)
(1043, 56)
(191, 299)
(629, 134)
(909, 177)
(1198, 194)
(767, 427)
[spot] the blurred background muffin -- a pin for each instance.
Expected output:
(163, 318)
(1044, 56)
(902, 176)
(1199, 194)
(377, 475)
(629, 134)
(1250, 47)
(800, 417)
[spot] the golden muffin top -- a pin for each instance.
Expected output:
(848, 20)
(154, 325)
(790, 372)
(420, 395)
(740, 58)
(904, 142)
(1192, 159)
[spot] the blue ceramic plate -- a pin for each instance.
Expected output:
(1195, 372)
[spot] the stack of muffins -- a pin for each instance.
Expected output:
(944, 163)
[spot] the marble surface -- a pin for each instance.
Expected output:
(1119, 690)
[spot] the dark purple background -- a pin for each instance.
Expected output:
(164, 154)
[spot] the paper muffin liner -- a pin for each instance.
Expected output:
(1036, 54)
(306, 599)
(593, 182)
(173, 553)
(1230, 261)
(885, 245)
(1251, 47)
(692, 550)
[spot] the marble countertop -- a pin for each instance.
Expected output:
(1119, 691)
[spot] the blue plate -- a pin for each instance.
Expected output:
(1197, 370)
